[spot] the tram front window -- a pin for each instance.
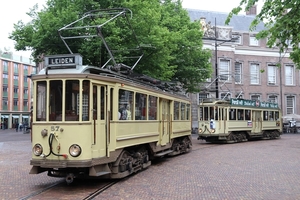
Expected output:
(41, 100)
(71, 100)
(55, 100)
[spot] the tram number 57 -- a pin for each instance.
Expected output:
(54, 128)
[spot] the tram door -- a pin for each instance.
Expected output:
(99, 121)
(165, 119)
(257, 121)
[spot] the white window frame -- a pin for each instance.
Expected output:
(273, 98)
(272, 75)
(289, 74)
(238, 40)
(290, 104)
(224, 70)
(238, 71)
(255, 97)
(202, 96)
(254, 74)
(225, 95)
(253, 41)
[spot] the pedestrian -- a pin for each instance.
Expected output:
(20, 126)
(17, 127)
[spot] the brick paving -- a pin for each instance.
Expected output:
(265, 169)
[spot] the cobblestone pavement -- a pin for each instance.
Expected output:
(265, 169)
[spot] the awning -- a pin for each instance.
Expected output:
(24, 116)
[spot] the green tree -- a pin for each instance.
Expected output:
(171, 43)
(281, 19)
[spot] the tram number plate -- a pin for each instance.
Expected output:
(54, 128)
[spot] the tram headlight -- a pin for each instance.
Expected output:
(75, 150)
(213, 130)
(200, 130)
(37, 149)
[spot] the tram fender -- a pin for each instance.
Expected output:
(99, 170)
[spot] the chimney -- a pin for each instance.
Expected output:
(252, 10)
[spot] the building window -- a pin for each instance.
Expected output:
(5, 102)
(5, 66)
(273, 98)
(225, 95)
(238, 73)
(16, 90)
(202, 96)
(224, 70)
(25, 67)
(237, 38)
(253, 41)
(254, 74)
(255, 97)
(289, 75)
(5, 89)
(16, 77)
(16, 68)
(15, 102)
(5, 76)
(272, 74)
(25, 102)
(25, 79)
(290, 104)
(25, 90)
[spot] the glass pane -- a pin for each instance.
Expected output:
(140, 106)
(71, 101)
(85, 100)
(55, 101)
(41, 101)
(152, 108)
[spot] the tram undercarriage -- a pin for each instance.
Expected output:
(235, 137)
(130, 160)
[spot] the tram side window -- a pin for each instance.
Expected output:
(247, 114)
(265, 113)
(276, 115)
(182, 111)
(271, 116)
(152, 108)
(188, 111)
(176, 110)
(232, 114)
(41, 100)
(125, 104)
(102, 103)
(55, 100)
(140, 106)
(71, 100)
(85, 100)
(240, 113)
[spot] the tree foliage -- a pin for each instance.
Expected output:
(281, 19)
(172, 44)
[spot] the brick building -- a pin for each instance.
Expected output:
(16, 89)
(246, 67)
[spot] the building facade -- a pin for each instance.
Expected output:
(246, 67)
(16, 89)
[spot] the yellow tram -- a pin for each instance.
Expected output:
(88, 121)
(238, 120)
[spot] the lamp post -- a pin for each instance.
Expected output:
(209, 36)
(216, 61)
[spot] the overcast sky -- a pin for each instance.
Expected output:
(14, 10)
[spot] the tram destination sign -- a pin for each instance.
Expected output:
(252, 103)
(63, 61)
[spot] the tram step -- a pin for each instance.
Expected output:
(163, 153)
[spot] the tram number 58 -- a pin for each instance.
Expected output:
(54, 128)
